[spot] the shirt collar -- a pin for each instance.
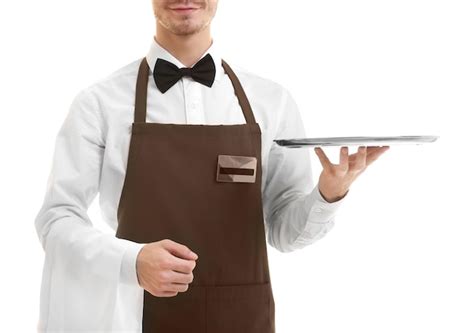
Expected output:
(157, 51)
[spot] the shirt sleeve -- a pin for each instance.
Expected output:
(296, 214)
(63, 226)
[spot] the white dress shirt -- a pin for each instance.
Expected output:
(89, 276)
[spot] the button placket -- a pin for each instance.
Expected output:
(194, 109)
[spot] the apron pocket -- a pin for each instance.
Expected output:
(245, 308)
(183, 313)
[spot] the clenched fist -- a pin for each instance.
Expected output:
(164, 268)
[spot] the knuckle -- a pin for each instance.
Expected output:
(162, 276)
(165, 263)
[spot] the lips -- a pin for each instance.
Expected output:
(184, 10)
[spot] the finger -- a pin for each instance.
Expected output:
(182, 265)
(178, 277)
(353, 157)
(344, 158)
(373, 149)
(179, 250)
(325, 162)
(166, 294)
(376, 150)
(360, 157)
(175, 287)
(375, 154)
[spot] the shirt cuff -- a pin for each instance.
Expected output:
(315, 203)
(128, 269)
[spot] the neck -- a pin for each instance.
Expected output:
(188, 49)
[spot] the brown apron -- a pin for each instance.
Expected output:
(200, 185)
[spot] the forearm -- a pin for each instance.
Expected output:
(78, 247)
(301, 221)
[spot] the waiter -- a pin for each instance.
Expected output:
(179, 145)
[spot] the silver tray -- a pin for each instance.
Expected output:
(356, 141)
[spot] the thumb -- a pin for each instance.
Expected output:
(179, 250)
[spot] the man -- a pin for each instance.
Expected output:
(192, 185)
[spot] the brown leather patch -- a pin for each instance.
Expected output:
(236, 169)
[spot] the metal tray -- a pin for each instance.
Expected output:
(356, 141)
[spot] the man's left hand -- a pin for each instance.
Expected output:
(335, 179)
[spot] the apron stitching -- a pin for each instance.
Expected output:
(205, 309)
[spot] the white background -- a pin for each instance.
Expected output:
(400, 258)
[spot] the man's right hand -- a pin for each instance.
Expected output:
(164, 268)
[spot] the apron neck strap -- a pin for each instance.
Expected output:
(142, 86)
(141, 92)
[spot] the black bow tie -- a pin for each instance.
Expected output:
(166, 74)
